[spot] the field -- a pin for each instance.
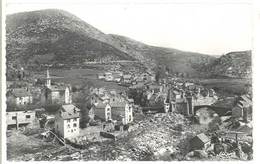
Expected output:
(228, 87)
(79, 77)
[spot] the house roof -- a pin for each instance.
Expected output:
(101, 105)
(108, 73)
(21, 92)
(203, 137)
(244, 103)
(57, 87)
(181, 100)
(176, 92)
(246, 100)
(130, 100)
(127, 76)
(69, 111)
(118, 104)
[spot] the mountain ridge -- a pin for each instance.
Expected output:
(56, 36)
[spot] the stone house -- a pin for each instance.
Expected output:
(178, 101)
(200, 142)
(19, 96)
(17, 118)
(187, 84)
(67, 121)
(117, 77)
(101, 76)
(109, 76)
(102, 110)
(122, 112)
(127, 78)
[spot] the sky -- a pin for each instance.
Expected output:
(210, 27)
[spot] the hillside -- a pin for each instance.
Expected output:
(234, 64)
(51, 36)
(175, 60)
(55, 36)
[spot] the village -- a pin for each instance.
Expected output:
(167, 118)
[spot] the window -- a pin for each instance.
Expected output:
(68, 125)
(71, 130)
(28, 116)
(14, 118)
(74, 125)
(75, 119)
(68, 121)
(108, 115)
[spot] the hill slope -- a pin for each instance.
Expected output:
(175, 60)
(234, 64)
(56, 36)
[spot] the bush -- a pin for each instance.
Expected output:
(218, 148)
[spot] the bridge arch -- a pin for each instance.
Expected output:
(221, 111)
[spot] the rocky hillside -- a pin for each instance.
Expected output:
(175, 60)
(51, 36)
(56, 36)
(234, 64)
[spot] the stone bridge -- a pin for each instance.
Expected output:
(221, 111)
(207, 102)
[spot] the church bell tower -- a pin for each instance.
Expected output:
(48, 79)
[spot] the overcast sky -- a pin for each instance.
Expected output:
(214, 27)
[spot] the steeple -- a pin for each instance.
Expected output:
(48, 79)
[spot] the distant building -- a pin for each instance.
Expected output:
(94, 99)
(176, 94)
(101, 76)
(19, 96)
(102, 111)
(127, 78)
(17, 118)
(109, 76)
(117, 77)
(67, 121)
(9, 84)
(200, 142)
(55, 94)
(122, 112)
(187, 84)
